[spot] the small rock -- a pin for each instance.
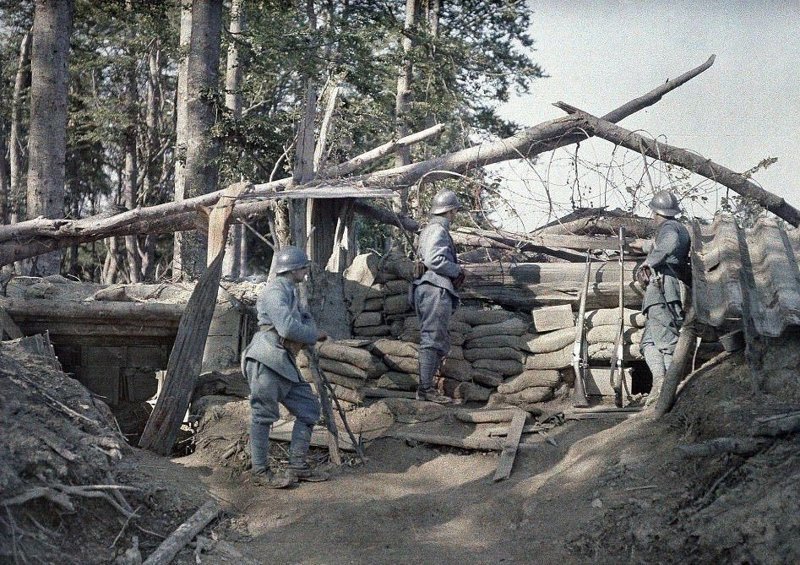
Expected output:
(597, 503)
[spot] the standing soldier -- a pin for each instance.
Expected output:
(663, 271)
(434, 292)
(269, 365)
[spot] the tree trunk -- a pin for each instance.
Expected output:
(47, 140)
(5, 181)
(181, 131)
(131, 175)
(16, 146)
(235, 253)
(150, 152)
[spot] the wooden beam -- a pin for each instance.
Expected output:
(510, 447)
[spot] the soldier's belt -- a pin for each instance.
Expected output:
(294, 347)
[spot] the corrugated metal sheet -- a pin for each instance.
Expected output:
(750, 273)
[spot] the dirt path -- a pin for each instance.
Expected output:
(413, 504)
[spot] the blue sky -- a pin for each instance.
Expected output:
(600, 54)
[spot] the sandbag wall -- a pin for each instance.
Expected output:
(499, 356)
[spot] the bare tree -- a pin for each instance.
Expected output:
(201, 167)
(47, 139)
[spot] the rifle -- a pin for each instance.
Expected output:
(326, 392)
(617, 356)
(580, 349)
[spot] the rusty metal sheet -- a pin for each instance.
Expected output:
(751, 273)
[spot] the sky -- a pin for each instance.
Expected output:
(600, 54)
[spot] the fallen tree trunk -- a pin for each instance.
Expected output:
(41, 235)
(688, 160)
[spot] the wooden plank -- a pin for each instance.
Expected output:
(476, 443)
(510, 447)
(171, 546)
(9, 327)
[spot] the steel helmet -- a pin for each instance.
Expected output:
(444, 201)
(664, 203)
(290, 258)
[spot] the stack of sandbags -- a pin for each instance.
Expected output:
(602, 328)
(493, 343)
(548, 351)
(348, 365)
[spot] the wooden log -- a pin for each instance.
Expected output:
(42, 235)
(470, 443)
(680, 360)
(184, 364)
(134, 312)
(600, 295)
(545, 273)
(510, 447)
(695, 162)
(171, 546)
(485, 416)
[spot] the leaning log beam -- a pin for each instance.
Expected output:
(41, 235)
(694, 162)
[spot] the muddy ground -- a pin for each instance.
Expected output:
(599, 491)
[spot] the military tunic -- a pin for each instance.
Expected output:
(668, 259)
(272, 373)
(434, 296)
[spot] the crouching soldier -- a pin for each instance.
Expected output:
(434, 292)
(269, 365)
(664, 270)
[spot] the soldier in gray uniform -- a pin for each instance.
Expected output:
(664, 270)
(269, 365)
(434, 292)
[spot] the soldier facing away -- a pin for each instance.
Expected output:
(269, 365)
(434, 292)
(662, 273)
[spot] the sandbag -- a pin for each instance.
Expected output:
(554, 360)
(495, 341)
(514, 326)
(395, 347)
(475, 317)
(346, 382)
(456, 352)
(372, 331)
(457, 369)
(604, 351)
(412, 323)
(606, 333)
(398, 381)
(549, 342)
(350, 395)
(469, 392)
(610, 316)
(486, 378)
(369, 422)
(368, 319)
(494, 353)
(373, 305)
(397, 287)
(396, 304)
(505, 367)
(529, 395)
(344, 369)
(402, 364)
(530, 378)
(361, 358)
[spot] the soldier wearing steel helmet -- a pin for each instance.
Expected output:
(435, 296)
(663, 272)
(269, 365)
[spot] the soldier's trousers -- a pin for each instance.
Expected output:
(267, 390)
(434, 307)
(659, 339)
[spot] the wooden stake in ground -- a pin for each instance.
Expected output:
(327, 409)
(186, 358)
(510, 447)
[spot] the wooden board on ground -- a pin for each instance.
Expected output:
(510, 447)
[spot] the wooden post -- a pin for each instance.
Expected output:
(510, 447)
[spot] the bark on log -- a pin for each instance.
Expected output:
(680, 358)
(688, 160)
(48, 235)
(127, 312)
(717, 446)
(171, 546)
